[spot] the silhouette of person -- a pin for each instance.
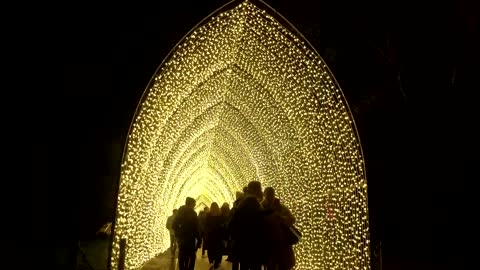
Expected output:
(185, 226)
(173, 241)
(280, 255)
(202, 218)
(246, 227)
(233, 256)
(215, 235)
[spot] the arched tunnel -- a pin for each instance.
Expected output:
(244, 96)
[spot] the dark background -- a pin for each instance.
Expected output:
(405, 69)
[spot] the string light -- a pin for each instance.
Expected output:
(243, 97)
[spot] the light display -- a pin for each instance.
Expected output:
(243, 97)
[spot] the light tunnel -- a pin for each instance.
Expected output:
(244, 96)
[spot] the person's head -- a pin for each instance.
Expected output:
(269, 194)
(214, 209)
(174, 211)
(225, 209)
(238, 195)
(190, 202)
(245, 189)
(255, 189)
(276, 206)
(206, 209)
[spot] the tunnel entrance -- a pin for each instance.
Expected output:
(244, 96)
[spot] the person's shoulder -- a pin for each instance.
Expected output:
(191, 211)
(266, 211)
(182, 210)
(247, 199)
(284, 207)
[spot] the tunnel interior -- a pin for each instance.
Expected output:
(243, 96)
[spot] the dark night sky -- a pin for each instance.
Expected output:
(418, 135)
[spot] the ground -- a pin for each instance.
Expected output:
(167, 262)
(94, 254)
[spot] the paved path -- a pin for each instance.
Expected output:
(167, 262)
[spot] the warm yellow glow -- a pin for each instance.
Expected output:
(243, 97)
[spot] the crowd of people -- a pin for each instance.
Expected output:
(253, 233)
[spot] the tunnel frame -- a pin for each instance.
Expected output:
(285, 23)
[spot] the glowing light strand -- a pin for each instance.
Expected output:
(242, 97)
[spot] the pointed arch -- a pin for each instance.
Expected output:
(244, 95)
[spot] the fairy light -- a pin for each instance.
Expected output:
(243, 97)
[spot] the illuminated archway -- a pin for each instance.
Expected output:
(245, 96)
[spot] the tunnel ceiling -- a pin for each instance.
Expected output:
(244, 97)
